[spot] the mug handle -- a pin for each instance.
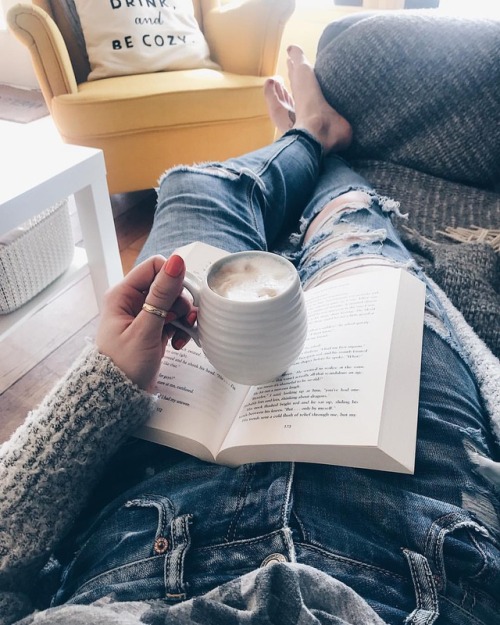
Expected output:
(193, 284)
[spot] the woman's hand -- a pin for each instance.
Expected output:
(135, 339)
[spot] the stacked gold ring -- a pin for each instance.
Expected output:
(159, 312)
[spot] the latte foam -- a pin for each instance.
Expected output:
(251, 278)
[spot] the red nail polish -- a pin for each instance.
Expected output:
(174, 266)
(191, 317)
(179, 343)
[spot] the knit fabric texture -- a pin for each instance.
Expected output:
(431, 204)
(469, 273)
(420, 89)
(69, 437)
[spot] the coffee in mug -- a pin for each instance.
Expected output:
(249, 278)
(252, 321)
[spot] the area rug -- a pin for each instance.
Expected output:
(21, 105)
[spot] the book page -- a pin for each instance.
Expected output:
(334, 393)
(199, 256)
(195, 402)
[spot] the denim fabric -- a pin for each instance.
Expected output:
(416, 548)
(244, 203)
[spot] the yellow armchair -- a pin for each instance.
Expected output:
(146, 123)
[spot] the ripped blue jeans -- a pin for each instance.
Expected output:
(419, 548)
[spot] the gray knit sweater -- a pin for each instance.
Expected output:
(50, 464)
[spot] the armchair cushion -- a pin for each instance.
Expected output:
(125, 38)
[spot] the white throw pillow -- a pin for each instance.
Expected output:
(125, 37)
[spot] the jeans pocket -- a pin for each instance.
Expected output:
(143, 540)
(458, 575)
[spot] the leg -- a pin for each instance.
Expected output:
(419, 546)
(245, 203)
(345, 225)
(229, 205)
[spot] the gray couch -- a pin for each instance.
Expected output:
(422, 92)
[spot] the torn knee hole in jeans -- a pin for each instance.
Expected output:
(216, 169)
(344, 239)
(230, 173)
(348, 202)
(351, 201)
(346, 265)
(347, 252)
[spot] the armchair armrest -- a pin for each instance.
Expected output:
(49, 54)
(245, 37)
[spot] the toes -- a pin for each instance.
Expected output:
(296, 55)
(270, 87)
(275, 90)
(283, 95)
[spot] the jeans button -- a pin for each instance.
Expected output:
(161, 545)
(273, 559)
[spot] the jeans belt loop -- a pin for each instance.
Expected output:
(175, 586)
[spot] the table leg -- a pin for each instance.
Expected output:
(99, 235)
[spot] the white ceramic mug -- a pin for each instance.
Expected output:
(252, 321)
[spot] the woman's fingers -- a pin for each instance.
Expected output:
(161, 303)
(134, 327)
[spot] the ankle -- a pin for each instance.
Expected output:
(333, 134)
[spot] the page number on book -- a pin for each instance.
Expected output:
(287, 426)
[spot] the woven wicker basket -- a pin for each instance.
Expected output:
(34, 255)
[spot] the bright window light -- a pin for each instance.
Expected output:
(3, 10)
(471, 8)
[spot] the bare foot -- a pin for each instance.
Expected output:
(280, 104)
(306, 108)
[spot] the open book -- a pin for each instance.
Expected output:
(350, 399)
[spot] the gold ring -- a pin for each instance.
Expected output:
(159, 312)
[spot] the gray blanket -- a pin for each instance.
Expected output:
(469, 273)
(282, 594)
(421, 90)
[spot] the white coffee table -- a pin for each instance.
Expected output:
(36, 174)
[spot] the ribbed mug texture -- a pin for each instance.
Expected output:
(253, 342)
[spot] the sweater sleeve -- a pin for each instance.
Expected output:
(52, 461)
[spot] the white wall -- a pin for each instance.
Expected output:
(15, 60)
